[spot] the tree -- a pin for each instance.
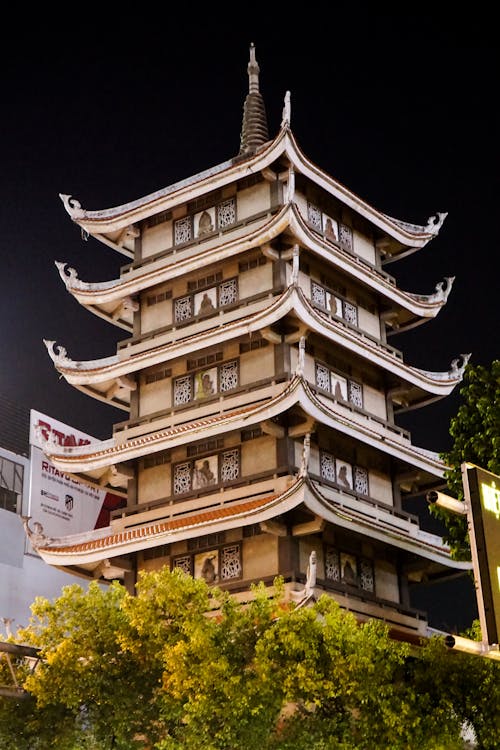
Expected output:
(181, 665)
(476, 439)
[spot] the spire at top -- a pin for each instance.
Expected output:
(253, 72)
(254, 132)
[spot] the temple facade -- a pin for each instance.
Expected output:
(259, 385)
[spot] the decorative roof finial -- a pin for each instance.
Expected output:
(299, 370)
(253, 72)
(287, 112)
(306, 450)
(295, 265)
(254, 132)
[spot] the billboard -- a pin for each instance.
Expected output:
(60, 503)
(482, 496)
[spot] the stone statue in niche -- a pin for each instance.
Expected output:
(344, 477)
(205, 225)
(208, 570)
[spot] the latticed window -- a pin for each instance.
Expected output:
(183, 309)
(183, 230)
(327, 467)
(350, 313)
(228, 376)
(184, 563)
(360, 480)
(230, 465)
(228, 292)
(366, 575)
(318, 294)
(230, 562)
(342, 473)
(226, 213)
(345, 236)
(182, 477)
(314, 216)
(332, 564)
(322, 377)
(355, 393)
(183, 390)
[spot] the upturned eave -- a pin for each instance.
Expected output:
(109, 224)
(91, 549)
(98, 376)
(117, 299)
(99, 456)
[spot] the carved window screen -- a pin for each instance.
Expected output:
(366, 575)
(231, 562)
(184, 563)
(332, 564)
(183, 230)
(314, 216)
(226, 213)
(327, 467)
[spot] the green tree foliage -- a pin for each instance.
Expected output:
(476, 439)
(181, 665)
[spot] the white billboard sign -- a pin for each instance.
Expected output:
(61, 504)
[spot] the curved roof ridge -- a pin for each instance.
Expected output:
(441, 293)
(455, 372)
(80, 452)
(59, 356)
(91, 542)
(432, 543)
(289, 216)
(369, 431)
(434, 223)
(63, 362)
(297, 391)
(453, 375)
(354, 264)
(71, 281)
(265, 232)
(79, 214)
(292, 298)
(428, 230)
(409, 235)
(75, 210)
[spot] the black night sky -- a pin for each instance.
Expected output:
(400, 109)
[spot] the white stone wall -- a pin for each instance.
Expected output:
(260, 556)
(154, 483)
(386, 581)
(255, 280)
(364, 247)
(374, 402)
(156, 239)
(368, 322)
(252, 200)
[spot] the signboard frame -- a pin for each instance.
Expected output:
(482, 498)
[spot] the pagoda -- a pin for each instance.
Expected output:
(259, 388)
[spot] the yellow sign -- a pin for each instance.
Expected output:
(482, 496)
